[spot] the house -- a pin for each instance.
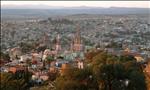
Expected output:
(40, 76)
(15, 53)
(48, 52)
(139, 58)
(14, 69)
(80, 64)
(37, 56)
(24, 58)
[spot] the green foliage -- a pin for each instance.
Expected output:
(82, 74)
(59, 21)
(76, 79)
(49, 59)
(41, 48)
(28, 62)
(113, 71)
(106, 72)
(126, 58)
(4, 56)
(91, 55)
(26, 47)
(18, 81)
(9, 83)
(114, 44)
(137, 81)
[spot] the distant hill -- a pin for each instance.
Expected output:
(46, 11)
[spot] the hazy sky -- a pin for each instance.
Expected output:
(143, 4)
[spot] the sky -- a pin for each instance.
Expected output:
(138, 4)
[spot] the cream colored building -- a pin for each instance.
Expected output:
(15, 53)
(139, 58)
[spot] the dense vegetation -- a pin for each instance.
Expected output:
(17, 81)
(4, 56)
(104, 72)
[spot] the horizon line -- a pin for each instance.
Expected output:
(104, 4)
(61, 7)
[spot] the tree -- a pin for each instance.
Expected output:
(137, 79)
(26, 47)
(28, 62)
(5, 81)
(18, 84)
(112, 72)
(8, 82)
(106, 72)
(41, 48)
(90, 55)
(77, 79)
(4, 56)
(49, 59)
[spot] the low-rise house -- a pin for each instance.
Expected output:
(15, 53)
(139, 58)
(14, 69)
(80, 65)
(39, 76)
(24, 58)
(37, 56)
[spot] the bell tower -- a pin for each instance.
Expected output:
(58, 46)
(77, 43)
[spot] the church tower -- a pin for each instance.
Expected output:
(77, 43)
(72, 44)
(58, 46)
